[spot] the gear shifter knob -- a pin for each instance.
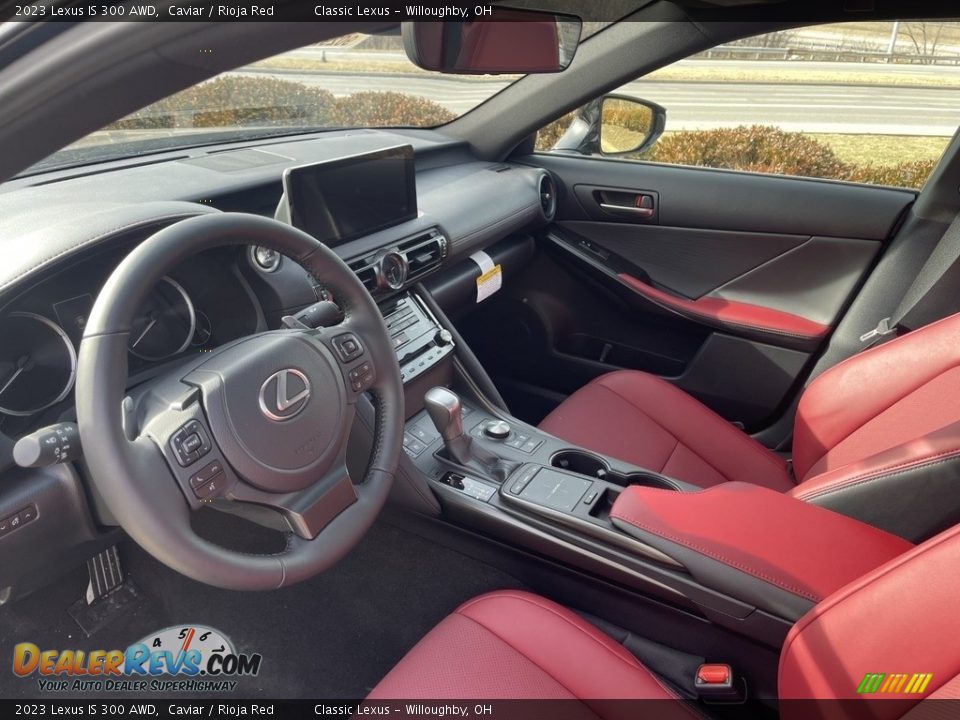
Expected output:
(443, 406)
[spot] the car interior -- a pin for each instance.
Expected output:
(433, 413)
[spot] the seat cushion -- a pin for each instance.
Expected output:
(515, 645)
(646, 421)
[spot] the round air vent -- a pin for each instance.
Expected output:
(548, 196)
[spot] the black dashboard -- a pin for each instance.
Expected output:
(63, 233)
(66, 233)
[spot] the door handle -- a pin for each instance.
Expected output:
(644, 212)
(638, 204)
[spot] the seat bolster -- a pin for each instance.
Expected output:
(898, 618)
(512, 644)
(644, 420)
(911, 490)
(853, 392)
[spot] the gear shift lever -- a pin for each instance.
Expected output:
(443, 407)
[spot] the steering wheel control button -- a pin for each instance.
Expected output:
(497, 429)
(361, 377)
(213, 486)
(190, 443)
(209, 471)
(348, 347)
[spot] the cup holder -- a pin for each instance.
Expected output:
(580, 462)
(584, 463)
(646, 479)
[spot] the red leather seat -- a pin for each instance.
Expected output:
(897, 620)
(516, 645)
(868, 433)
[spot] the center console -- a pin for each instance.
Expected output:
(745, 557)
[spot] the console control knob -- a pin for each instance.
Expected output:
(443, 337)
(497, 429)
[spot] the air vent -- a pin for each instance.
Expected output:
(548, 196)
(423, 253)
(366, 271)
(394, 268)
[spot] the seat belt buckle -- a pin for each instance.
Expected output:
(882, 329)
(715, 682)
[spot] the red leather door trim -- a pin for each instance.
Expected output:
(727, 314)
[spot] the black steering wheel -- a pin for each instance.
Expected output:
(263, 421)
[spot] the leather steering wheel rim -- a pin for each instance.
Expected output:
(124, 470)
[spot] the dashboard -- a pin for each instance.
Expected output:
(223, 295)
(200, 305)
(63, 233)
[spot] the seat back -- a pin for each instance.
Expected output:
(877, 437)
(892, 634)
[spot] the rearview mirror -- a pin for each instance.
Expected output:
(508, 41)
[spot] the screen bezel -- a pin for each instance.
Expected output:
(292, 188)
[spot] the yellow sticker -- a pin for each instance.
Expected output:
(489, 283)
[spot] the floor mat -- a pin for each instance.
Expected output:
(333, 636)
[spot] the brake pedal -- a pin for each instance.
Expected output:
(109, 595)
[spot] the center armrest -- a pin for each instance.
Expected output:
(776, 552)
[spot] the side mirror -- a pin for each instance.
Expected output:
(614, 125)
(629, 125)
(508, 41)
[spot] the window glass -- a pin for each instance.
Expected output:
(870, 102)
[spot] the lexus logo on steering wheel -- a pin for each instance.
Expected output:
(284, 395)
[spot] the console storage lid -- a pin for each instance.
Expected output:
(757, 545)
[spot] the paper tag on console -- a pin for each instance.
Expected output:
(491, 276)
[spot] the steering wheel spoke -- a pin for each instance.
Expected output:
(307, 511)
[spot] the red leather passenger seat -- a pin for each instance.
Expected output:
(897, 619)
(876, 437)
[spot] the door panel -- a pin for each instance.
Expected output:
(691, 262)
(727, 200)
(813, 280)
(727, 283)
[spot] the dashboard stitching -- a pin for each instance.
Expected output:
(90, 241)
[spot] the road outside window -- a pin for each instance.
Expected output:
(870, 102)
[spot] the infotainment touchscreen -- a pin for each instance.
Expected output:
(338, 200)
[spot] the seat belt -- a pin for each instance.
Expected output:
(927, 298)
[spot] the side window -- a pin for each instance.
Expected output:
(868, 102)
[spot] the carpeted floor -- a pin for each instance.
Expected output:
(333, 636)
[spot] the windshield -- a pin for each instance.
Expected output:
(352, 81)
